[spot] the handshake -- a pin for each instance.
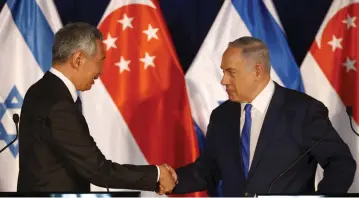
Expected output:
(167, 180)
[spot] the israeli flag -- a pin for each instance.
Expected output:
(26, 34)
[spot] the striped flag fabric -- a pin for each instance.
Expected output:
(26, 35)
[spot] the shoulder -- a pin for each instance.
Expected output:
(225, 108)
(34, 97)
(302, 102)
(39, 88)
(294, 97)
(44, 94)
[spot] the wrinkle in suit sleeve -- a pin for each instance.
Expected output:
(73, 141)
(332, 153)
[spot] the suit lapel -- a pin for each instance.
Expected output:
(233, 138)
(274, 112)
(234, 118)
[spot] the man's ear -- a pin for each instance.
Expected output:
(259, 69)
(77, 59)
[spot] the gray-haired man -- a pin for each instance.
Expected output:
(57, 152)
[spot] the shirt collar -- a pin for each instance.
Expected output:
(70, 86)
(261, 102)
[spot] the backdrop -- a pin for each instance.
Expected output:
(189, 21)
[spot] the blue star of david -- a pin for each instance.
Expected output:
(10, 104)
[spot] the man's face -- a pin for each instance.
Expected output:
(91, 68)
(238, 76)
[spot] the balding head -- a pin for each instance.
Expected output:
(246, 68)
(254, 51)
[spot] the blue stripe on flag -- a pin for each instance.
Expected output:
(262, 25)
(200, 137)
(34, 28)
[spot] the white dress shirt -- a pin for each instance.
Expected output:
(71, 87)
(259, 109)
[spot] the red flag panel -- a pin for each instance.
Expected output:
(338, 55)
(146, 82)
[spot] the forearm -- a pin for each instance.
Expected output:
(189, 180)
(104, 173)
(130, 177)
(196, 177)
(74, 143)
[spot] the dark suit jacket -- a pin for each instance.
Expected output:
(294, 122)
(57, 152)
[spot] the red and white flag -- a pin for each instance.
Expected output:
(138, 112)
(330, 72)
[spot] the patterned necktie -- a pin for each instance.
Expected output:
(245, 138)
(78, 104)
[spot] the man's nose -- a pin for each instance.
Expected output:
(224, 80)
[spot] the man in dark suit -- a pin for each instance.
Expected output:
(254, 137)
(56, 150)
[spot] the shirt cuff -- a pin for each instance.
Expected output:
(158, 171)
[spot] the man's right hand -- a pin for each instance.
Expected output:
(168, 179)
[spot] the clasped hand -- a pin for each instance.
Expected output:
(168, 179)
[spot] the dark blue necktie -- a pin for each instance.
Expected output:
(245, 138)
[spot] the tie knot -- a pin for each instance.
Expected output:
(78, 101)
(248, 108)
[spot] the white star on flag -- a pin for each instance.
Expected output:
(126, 22)
(336, 43)
(151, 32)
(349, 64)
(110, 42)
(123, 64)
(350, 21)
(148, 60)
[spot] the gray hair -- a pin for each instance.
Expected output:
(253, 50)
(72, 37)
